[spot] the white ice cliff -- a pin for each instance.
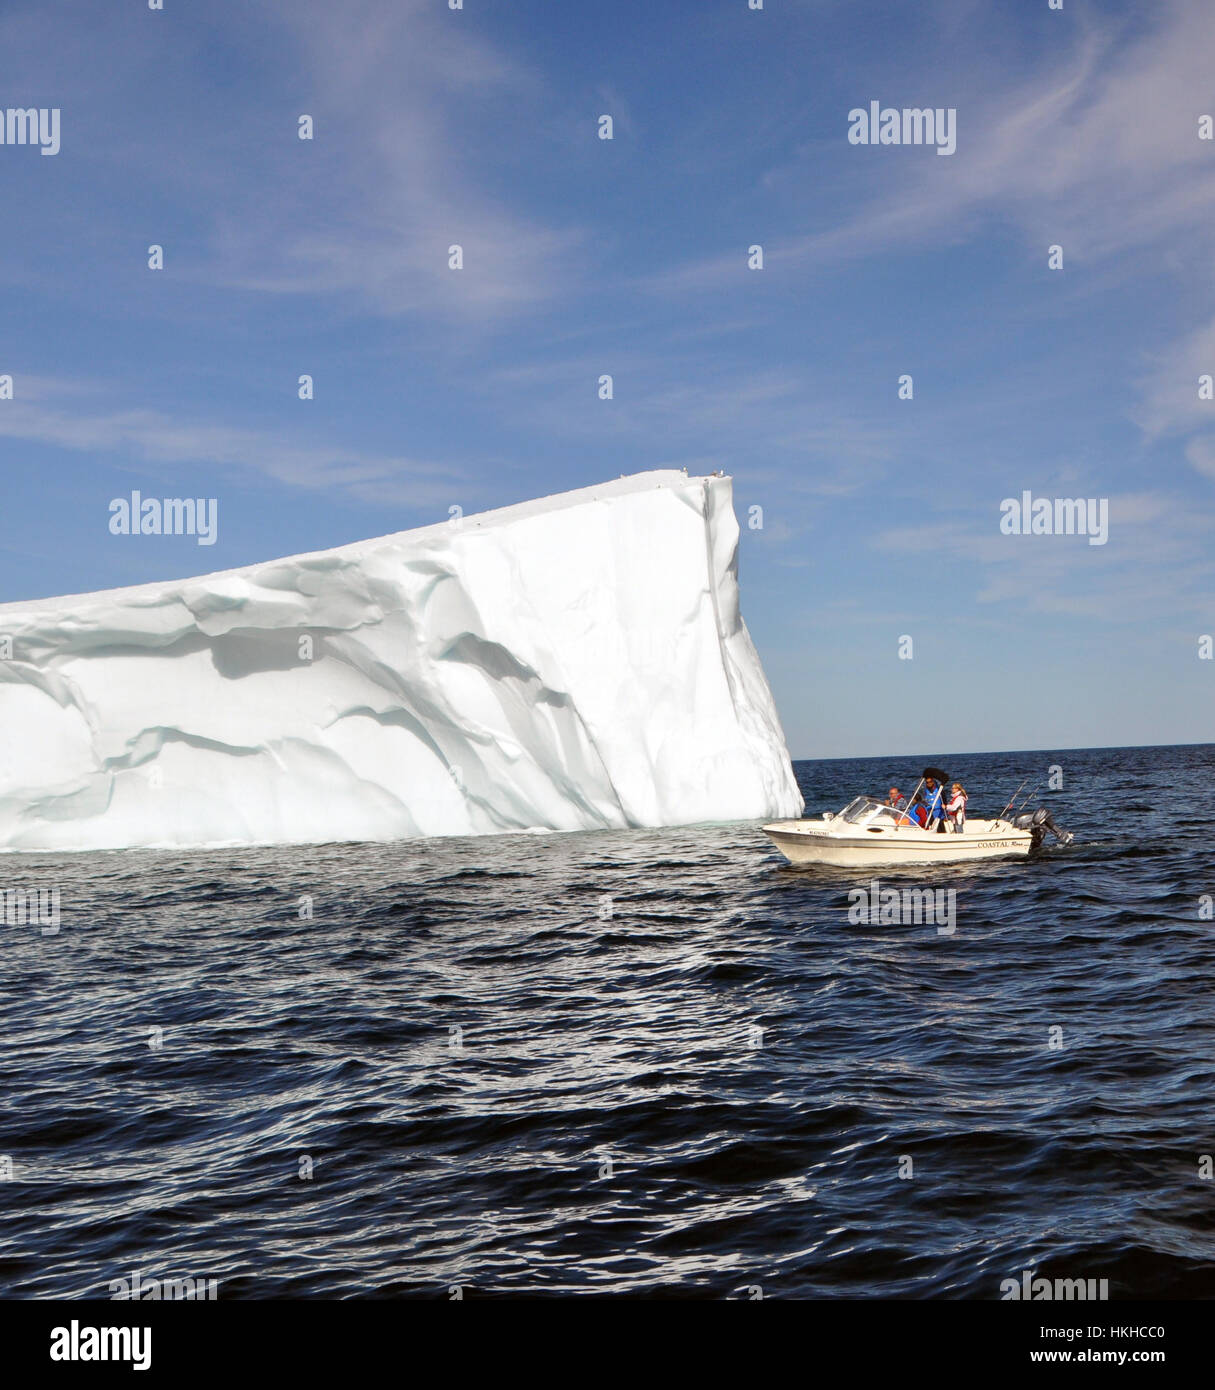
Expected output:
(571, 663)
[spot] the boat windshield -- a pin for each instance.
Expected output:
(869, 808)
(859, 809)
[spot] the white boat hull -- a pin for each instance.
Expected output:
(851, 846)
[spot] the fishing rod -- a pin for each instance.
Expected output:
(1011, 799)
(1030, 797)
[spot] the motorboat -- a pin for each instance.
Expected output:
(869, 832)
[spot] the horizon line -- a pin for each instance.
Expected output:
(989, 752)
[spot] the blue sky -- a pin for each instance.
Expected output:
(478, 388)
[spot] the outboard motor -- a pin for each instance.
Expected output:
(1038, 824)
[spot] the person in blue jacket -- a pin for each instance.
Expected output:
(934, 802)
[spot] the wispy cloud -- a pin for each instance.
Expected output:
(154, 437)
(1156, 560)
(1099, 152)
(1172, 403)
(369, 208)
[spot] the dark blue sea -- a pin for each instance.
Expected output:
(653, 1062)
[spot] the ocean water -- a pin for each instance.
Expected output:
(644, 1062)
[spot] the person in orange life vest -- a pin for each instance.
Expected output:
(895, 799)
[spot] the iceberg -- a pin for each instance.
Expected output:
(577, 662)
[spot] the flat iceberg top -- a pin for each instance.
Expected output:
(576, 662)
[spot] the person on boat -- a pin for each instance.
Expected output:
(955, 808)
(896, 800)
(935, 804)
(919, 812)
